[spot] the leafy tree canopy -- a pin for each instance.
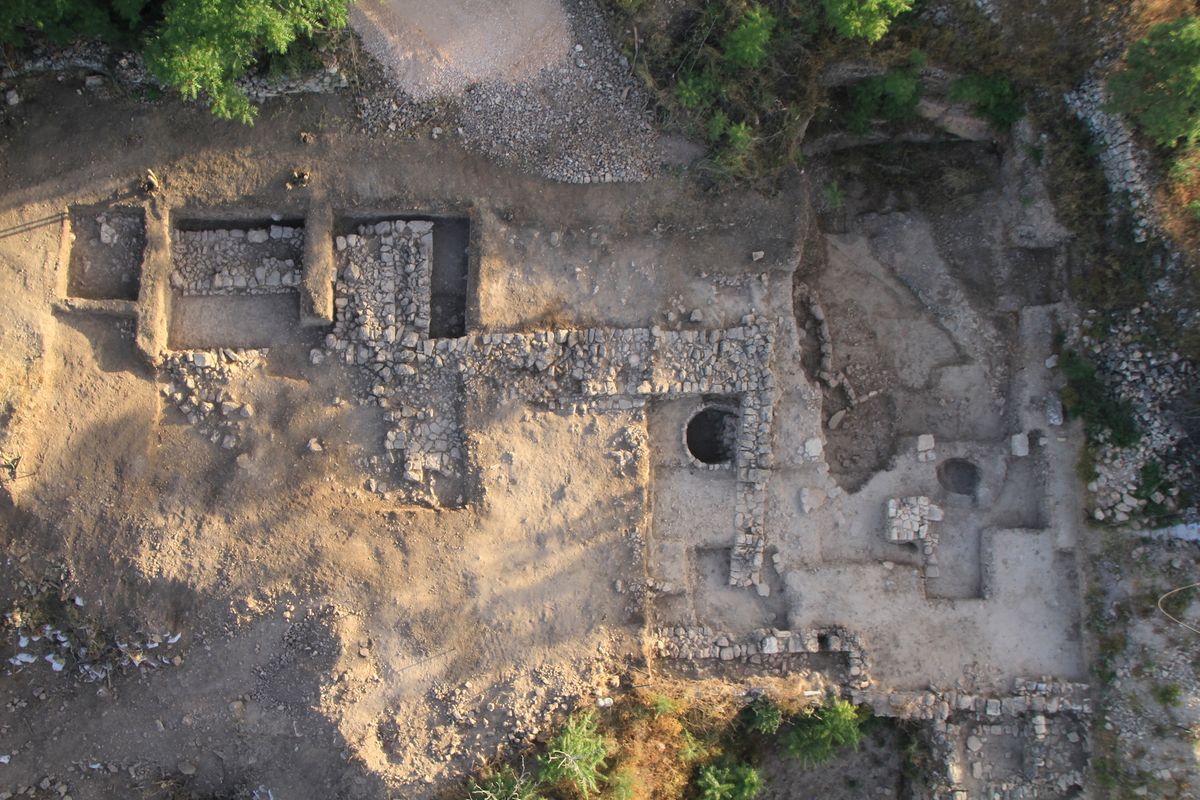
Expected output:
(200, 47)
(1160, 85)
(63, 20)
(864, 19)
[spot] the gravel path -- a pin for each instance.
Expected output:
(433, 49)
(577, 115)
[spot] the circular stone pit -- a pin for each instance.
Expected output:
(959, 476)
(711, 435)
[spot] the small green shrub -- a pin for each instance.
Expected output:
(698, 90)
(763, 716)
(1112, 644)
(740, 136)
(1160, 85)
(864, 19)
(1167, 694)
(818, 733)
(740, 782)
(1085, 468)
(664, 706)
(621, 786)
(718, 125)
(734, 150)
(834, 196)
(1107, 771)
(576, 755)
(505, 784)
(745, 45)
(893, 96)
(692, 749)
(1152, 480)
(916, 756)
(993, 97)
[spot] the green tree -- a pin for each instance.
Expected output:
(204, 46)
(740, 782)
(117, 21)
(576, 755)
(818, 733)
(745, 45)
(864, 19)
(200, 47)
(1160, 85)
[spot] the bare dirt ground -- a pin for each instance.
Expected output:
(874, 770)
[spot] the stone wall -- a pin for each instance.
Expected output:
(237, 261)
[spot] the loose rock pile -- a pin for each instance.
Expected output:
(1154, 383)
(383, 291)
(381, 324)
(115, 228)
(198, 384)
(237, 261)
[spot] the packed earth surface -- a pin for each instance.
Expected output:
(358, 448)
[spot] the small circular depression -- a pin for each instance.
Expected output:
(958, 475)
(712, 435)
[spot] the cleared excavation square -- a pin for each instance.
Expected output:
(204, 322)
(449, 284)
(235, 281)
(106, 252)
(443, 279)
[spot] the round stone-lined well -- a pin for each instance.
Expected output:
(711, 435)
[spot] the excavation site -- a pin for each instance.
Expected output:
(488, 421)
